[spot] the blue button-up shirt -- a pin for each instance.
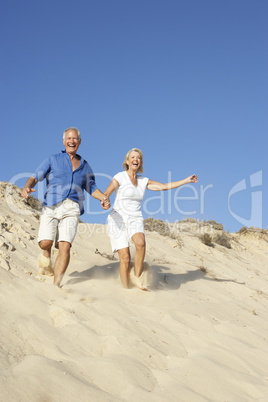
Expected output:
(64, 182)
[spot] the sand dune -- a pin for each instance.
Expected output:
(199, 334)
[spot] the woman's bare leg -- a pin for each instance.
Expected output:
(124, 256)
(140, 244)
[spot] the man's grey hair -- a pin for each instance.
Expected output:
(74, 129)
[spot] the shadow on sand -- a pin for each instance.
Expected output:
(162, 278)
(108, 271)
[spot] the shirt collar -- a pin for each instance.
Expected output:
(79, 156)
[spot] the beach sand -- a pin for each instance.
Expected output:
(199, 334)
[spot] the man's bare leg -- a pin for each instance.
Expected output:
(44, 261)
(62, 261)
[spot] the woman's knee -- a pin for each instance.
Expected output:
(124, 257)
(139, 240)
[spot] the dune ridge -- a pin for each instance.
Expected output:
(199, 334)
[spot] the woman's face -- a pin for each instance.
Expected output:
(134, 161)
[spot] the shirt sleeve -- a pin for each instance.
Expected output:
(146, 179)
(119, 177)
(91, 185)
(42, 170)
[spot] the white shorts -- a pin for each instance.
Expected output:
(59, 222)
(121, 228)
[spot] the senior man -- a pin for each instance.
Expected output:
(67, 175)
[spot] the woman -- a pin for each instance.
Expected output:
(125, 221)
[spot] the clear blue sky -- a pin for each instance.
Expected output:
(183, 80)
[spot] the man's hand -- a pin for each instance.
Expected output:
(28, 187)
(26, 191)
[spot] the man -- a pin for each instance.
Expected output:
(67, 176)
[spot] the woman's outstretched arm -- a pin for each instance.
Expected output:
(156, 186)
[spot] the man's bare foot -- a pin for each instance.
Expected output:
(57, 280)
(45, 266)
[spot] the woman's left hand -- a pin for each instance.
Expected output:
(105, 203)
(193, 179)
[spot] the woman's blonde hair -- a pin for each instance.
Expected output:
(125, 165)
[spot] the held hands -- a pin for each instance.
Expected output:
(192, 179)
(105, 203)
(26, 191)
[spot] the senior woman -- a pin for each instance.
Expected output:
(125, 221)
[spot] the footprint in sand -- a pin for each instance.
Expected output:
(88, 300)
(60, 316)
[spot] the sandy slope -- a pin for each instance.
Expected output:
(200, 334)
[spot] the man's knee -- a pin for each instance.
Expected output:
(64, 246)
(45, 244)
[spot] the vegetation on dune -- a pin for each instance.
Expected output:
(159, 226)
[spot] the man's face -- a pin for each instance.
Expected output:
(71, 142)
